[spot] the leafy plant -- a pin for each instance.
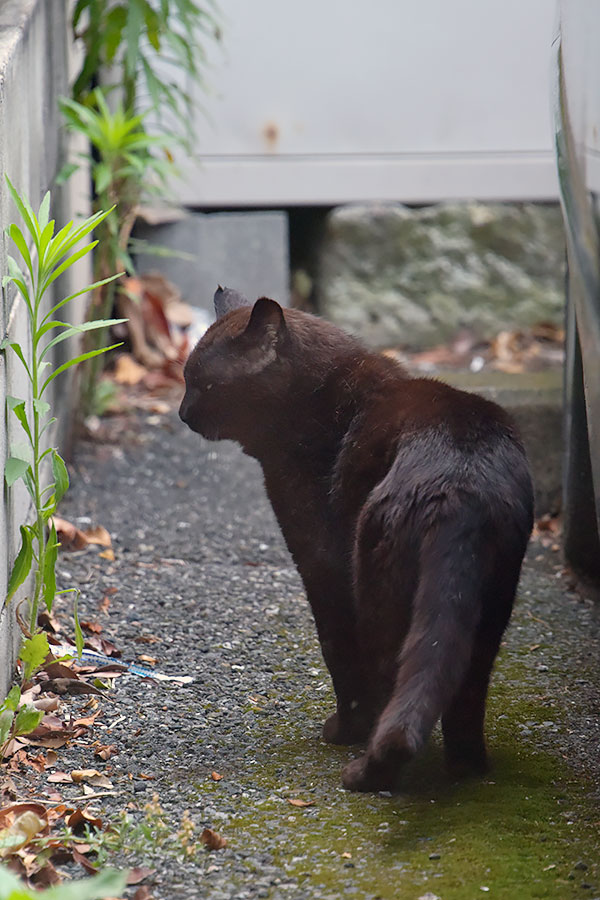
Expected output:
(128, 37)
(50, 255)
(15, 721)
(122, 166)
(109, 883)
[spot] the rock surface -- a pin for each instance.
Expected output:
(414, 277)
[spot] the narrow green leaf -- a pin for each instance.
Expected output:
(79, 639)
(102, 176)
(20, 243)
(44, 211)
(76, 361)
(133, 31)
(25, 209)
(80, 329)
(65, 173)
(45, 238)
(66, 264)
(22, 565)
(61, 476)
(49, 570)
(28, 717)
(14, 469)
(12, 700)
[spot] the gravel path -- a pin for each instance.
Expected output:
(203, 583)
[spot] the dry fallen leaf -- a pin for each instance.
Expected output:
(68, 686)
(212, 840)
(69, 536)
(60, 778)
(92, 627)
(79, 818)
(215, 776)
(143, 893)
(108, 554)
(143, 657)
(19, 823)
(300, 803)
(98, 535)
(138, 874)
(105, 751)
(128, 371)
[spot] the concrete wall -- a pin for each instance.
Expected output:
(35, 59)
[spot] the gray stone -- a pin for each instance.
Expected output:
(246, 250)
(413, 277)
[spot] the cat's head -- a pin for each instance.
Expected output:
(236, 368)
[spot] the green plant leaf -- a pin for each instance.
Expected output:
(108, 883)
(102, 176)
(84, 290)
(27, 718)
(22, 564)
(76, 361)
(79, 639)
(19, 242)
(44, 212)
(66, 264)
(12, 699)
(18, 407)
(14, 469)
(49, 570)
(61, 476)
(80, 329)
(41, 407)
(65, 173)
(33, 653)
(16, 348)
(25, 210)
(6, 720)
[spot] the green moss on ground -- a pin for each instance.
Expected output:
(525, 831)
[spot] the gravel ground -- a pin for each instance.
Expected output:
(202, 582)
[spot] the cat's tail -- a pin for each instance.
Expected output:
(438, 648)
(457, 567)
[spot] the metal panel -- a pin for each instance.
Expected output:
(327, 101)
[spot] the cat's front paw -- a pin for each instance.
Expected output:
(346, 730)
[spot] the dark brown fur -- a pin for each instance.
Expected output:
(407, 507)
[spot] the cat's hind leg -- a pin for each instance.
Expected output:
(445, 612)
(463, 719)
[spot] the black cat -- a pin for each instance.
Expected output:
(406, 505)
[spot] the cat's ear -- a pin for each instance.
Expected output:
(226, 299)
(266, 316)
